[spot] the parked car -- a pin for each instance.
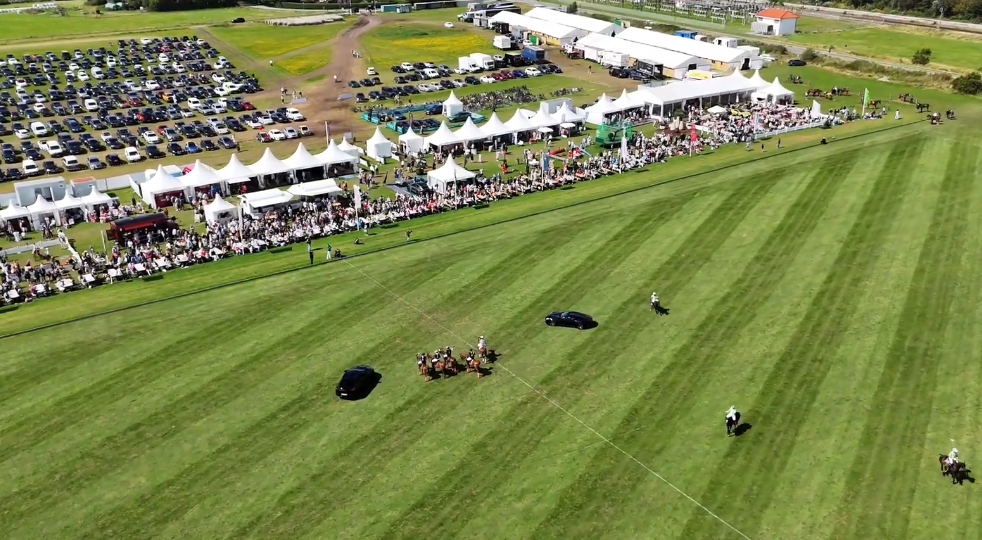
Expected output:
(208, 146)
(153, 152)
(305, 131)
(191, 147)
(572, 319)
(277, 135)
(95, 163)
(356, 382)
(291, 133)
(113, 160)
(132, 155)
(797, 62)
(227, 143)
(71, 163)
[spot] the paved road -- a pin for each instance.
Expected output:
(794, 49)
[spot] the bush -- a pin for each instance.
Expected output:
(922, 57)
(809, 55)
(572, 8)
(968, 84)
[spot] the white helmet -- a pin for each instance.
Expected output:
(482, 337)
(955, 450)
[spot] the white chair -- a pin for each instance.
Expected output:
(141, 268)
(114, 274)
(88, 279)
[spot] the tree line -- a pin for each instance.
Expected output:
(171, 5)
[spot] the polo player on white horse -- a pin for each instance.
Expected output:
(482, 348)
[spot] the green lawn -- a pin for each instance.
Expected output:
(306, 61)
(829, 292)
(19, 27)
(898, 46)
(388, 45)
(262, 41)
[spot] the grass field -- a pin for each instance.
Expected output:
(81, 22)
(899, 46)
(831, 293)
(262, 41)
(389, 45)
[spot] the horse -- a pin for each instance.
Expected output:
(731, 424)
(452, 365)
(423, 366)
(473, 364)
(813, 92)
(955, 471)
(950, 114)
(439, 366)
(921, 107)
(482, 353)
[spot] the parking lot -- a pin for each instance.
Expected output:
(141, 99)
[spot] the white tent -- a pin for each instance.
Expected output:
(219, 211)
(378, 147)
(302, 159)
(438, 179)
(816, 110)
(69, 201)
(268, 165)
(775, 93)
(252, 202)
(470, 132)
(494, 127)
(736, 75)
(315, 188)
(567, 114)
(235, 171)
(543, 118)
(452, 105)
(158, 184)
(442, 137)
(595, 113)
(758, 81)
(14, 211)
(96, 197)
(519, 123)
(627, 101)
(349, 148)
(201, 175)
(412, 142)
(716, 109)
(334, 155)
(43, 207)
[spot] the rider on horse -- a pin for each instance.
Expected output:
(732, 413)
(654, 300)
(482, 347)
(953, 457)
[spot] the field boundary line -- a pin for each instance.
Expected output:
(218, 286)
(603, 439)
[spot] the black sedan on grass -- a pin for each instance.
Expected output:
(570, 319)
(356, 382)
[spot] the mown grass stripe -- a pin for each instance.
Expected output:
(674, 389)
(793, 384)
(888, 462)
(153, 511)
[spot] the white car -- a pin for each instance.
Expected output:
(151, 137)
(767, 58)
(72, 66)
(220, 128)
(423, 87)
(460, 71)
(294, 115)
(276, 135)
(291, 133)
(264, 119)
(217, 77)
(221, 91)
(105, 136)
(22, 133)
(146, 41)
(70, 162)
(487, 80)
(152, 85)
(499, 58)
(448, 24)
(407, 66)
(30, 168)
(253, 124)
(194, 103)
(459, 83)
(39, 129)
(53, 148)
(132, 154)
(83, 76)
(372, 71)
(532, 72)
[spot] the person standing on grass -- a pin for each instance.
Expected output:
(409, 235)
(328, 249)
(310, 251)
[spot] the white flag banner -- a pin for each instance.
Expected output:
(357, 198)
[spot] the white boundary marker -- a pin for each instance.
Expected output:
(552, 402)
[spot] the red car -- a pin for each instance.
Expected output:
(505, 74)
(246, 106)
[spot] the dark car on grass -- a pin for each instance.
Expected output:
(356, 382)
(570, 319)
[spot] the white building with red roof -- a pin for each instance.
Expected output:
(775, 22)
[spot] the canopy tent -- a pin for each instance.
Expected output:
(268, 165)
(160, 183)
(333, 155)
(775, 93)
(378, 147)
(438, 179)
(412, 142)
(96, 197)
(201, 175)
(14, 211)
(43, 207)
(302, 159)
(235, 171)
(716, 109)
(219, 211)
(315, 189)
(628, 101)
(69, 201)
(519, 123)
(720, 90)
(494, 127)
(469, 132)
(736, 75)
(758, 81)
(452, 105)
(252, 202)
(349, 148)
(442, 137)
(595, 113)
(543, 119)
(566, 114)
